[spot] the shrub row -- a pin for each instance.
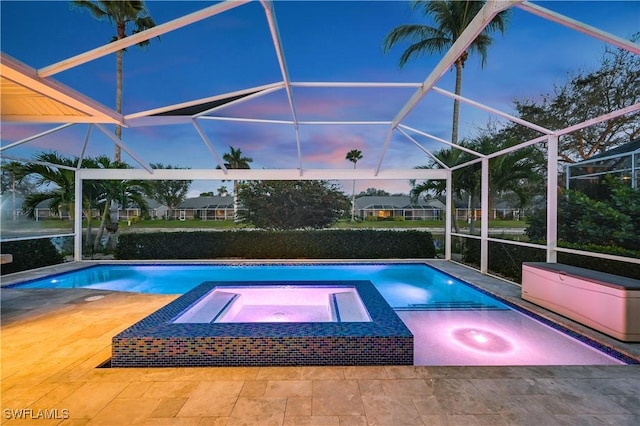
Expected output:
(506, 259)
(30, 254)
(317, 244)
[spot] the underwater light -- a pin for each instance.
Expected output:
(481, 340)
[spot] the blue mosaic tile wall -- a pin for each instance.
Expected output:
(157, 342)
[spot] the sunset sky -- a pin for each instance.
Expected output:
(332, 41)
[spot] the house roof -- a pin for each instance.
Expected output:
(395, 202)
(619, 151)
(207, 203)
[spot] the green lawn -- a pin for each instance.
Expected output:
(229, 224)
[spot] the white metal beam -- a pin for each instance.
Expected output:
(239, 101)
(39, 135)
(41, 163)
(266, 174)
(209, 145)
(247, 120)
(423, 149)
(552, 199)
(579, 26)
(446, 142)
(277, 44)
(124, 147)
(519, 146)
(77, 219)
(362, 84)
(155, 111)
(448, 221)
(475, 27)
(600, 119)
(484, 217)
(156, 31)
(385, 147)
(492, 110)
(84, 146)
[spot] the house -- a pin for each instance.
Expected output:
(206, 208)
(383, 207)
(155, 210)
(623, 162)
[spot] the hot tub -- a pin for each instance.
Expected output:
(338, 323)
(277, 303)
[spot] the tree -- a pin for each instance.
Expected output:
(234, 160)
(120, 13)
(450, 157)
(516, 172)
(111, 193)
(451, 18)
(168, 192)
(291, 204)
(611, 87)
(57, 184)
(222, 191)
(373, 192)
(354, 156)
(13, 183)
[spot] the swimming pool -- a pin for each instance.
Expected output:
(406, 286)
(453, 322)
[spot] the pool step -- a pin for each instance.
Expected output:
(451, 306)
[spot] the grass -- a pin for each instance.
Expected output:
(229, 224)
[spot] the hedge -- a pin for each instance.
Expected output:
(30, 254)
(316, 244)
(506, 259)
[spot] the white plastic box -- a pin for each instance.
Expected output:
(605, 302)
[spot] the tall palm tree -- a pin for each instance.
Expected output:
(234, 160)
(354, 156)
(120, 13)
(451, 17)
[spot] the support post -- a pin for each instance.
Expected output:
(552, 199)
(484, 217)
(77, 219)
(447, 221)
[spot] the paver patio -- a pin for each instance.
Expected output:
(54, 340)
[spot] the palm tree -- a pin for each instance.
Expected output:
(120, 13)
(451, 18)
(461, 179)
(115, 191)
(234, 160)
(58, 183)
(11, 172)
(514, 172)
(354, 156)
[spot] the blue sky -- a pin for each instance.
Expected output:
(322, 41)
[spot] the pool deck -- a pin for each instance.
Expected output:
(54, 340)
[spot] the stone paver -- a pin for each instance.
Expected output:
(54, 341)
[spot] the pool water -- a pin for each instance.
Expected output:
(402, 285)
(452, 322)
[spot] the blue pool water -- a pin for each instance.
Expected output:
(453, 323)
(402, 285)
